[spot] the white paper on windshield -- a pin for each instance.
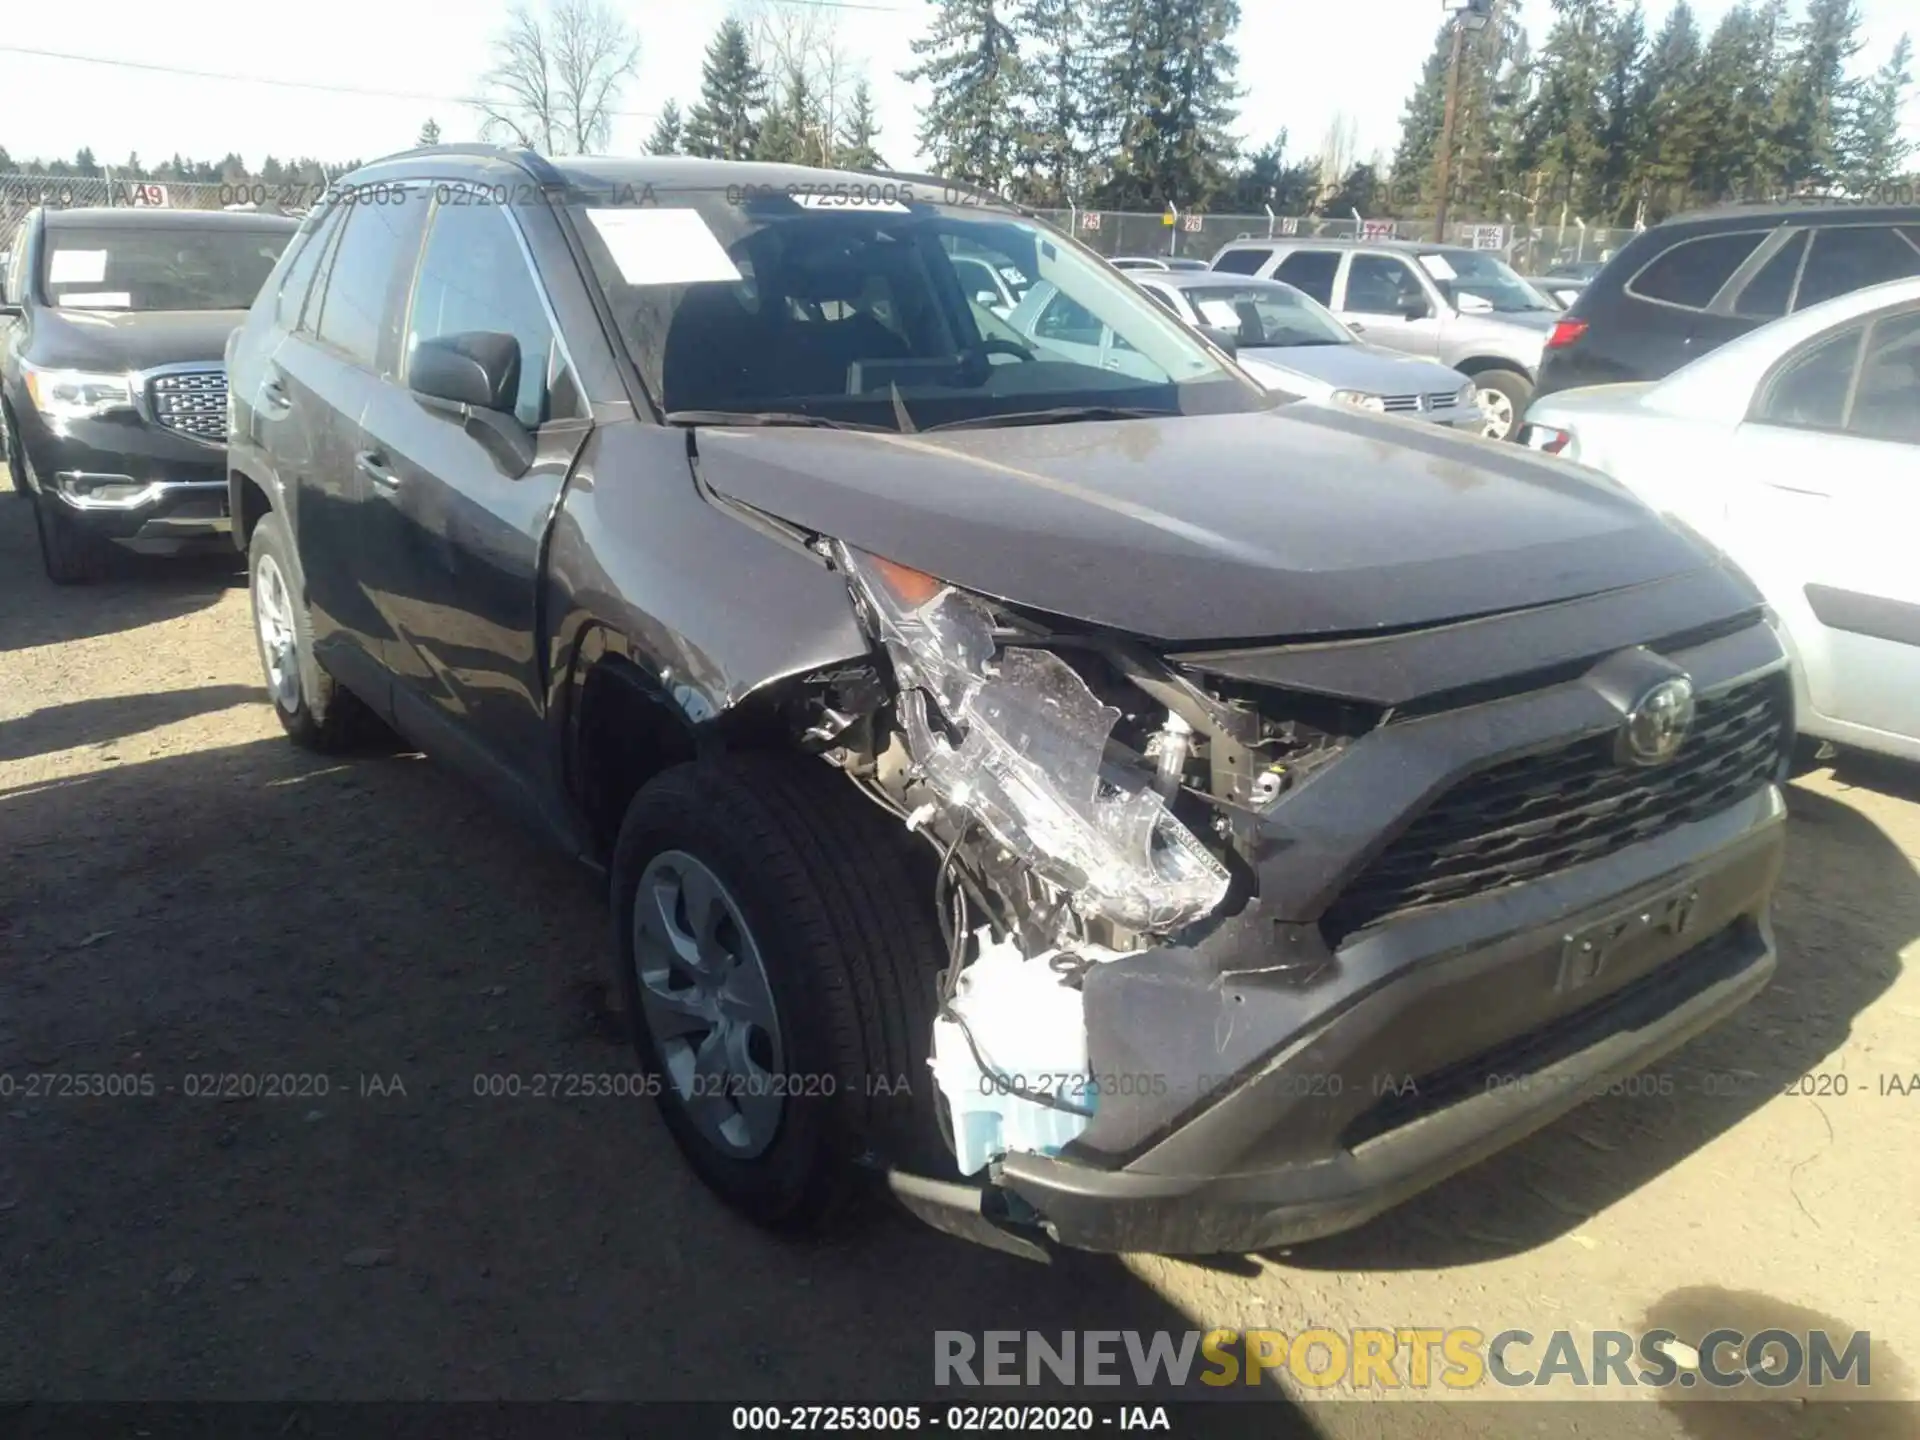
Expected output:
(663, 247)
(1437, 267)
(1221, 313)
(852, 200)
(77, 267)
(96, 300)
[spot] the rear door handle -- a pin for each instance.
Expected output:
(373, 464)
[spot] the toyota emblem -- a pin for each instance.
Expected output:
(1658, 723)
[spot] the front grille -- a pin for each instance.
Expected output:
(1523, 819)
(190, 402)
(1443, 399)
(1401, 404)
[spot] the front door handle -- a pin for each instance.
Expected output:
(373, 465)
(276, 398)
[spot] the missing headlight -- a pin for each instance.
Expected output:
(1013, 739)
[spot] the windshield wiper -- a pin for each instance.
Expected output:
(770, 417)
(1063, 415)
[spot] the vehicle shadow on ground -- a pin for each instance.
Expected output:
(373, 955)
(1841, 869)
(114, 717)
(138, 590)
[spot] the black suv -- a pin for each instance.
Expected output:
(1691, 284)
(1116, 804)
(113, 395)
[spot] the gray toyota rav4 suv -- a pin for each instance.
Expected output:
(1125, 809)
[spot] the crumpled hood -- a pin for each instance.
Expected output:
(1289, 522)
(122, 340)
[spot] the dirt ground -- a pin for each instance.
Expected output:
(183, 895)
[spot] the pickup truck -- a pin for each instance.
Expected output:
(1120, 809)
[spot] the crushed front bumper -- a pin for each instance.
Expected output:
(1272, 1083)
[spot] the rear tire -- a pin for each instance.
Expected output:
(69, 553)
(1502, 396)
(317, 712)
(827, 899)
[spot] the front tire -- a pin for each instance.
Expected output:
(778, 959)
(69, 553)
(317, 712)
(16, 460)
(1502, 396)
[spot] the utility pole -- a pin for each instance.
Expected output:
(1467, 15)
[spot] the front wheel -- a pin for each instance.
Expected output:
(1502, 396)
(316, 711)
(778, 960)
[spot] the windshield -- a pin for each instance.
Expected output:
(877, 306)
(1265, 315)
(1487, 276)
(170, 268)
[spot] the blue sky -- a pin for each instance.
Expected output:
(1302, 64)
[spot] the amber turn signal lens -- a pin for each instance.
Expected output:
(915, 587)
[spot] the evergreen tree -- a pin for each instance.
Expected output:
(1740, 157)
(132, 170)
(860, 133)
(1815, 93)
(1874, 149)
(1053, 91)
(1486, 142)
(1359, 192)
(724, 124)
(970, 60)
(1623, 134)
(1566, 120)
(1167, 100)
(665, 139)
(1676, 110)
(85, 164)
(1267, 180)
(429, 133)
(793, 131)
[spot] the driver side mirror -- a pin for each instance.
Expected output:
(475, 378)
(479, 369)
(1228, 340)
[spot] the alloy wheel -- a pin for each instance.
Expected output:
(708, 1004)
(279, 641)
(1496, 413)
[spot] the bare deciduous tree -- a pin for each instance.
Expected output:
(557, 79)
(799, 50)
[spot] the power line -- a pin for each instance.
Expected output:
(368, 92)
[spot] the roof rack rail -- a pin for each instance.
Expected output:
(531, 161)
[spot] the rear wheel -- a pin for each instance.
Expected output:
(778, 960)
(316, 711)
(1502, 396)
(70, 554)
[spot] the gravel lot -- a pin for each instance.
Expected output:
(183, 895)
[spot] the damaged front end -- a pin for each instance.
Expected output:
(1087, 801)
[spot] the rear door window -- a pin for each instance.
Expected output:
(360, 311)
(1691, 273)
(1886, 402)
(1810, 391)
(1769, 294)
(1382, 285)
(1846, 258)
(299, 277)
(1311, 271)
(1243, 262)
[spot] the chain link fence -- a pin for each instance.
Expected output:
(1531, 250)
(20, 193)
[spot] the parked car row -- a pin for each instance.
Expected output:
(978, 670)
